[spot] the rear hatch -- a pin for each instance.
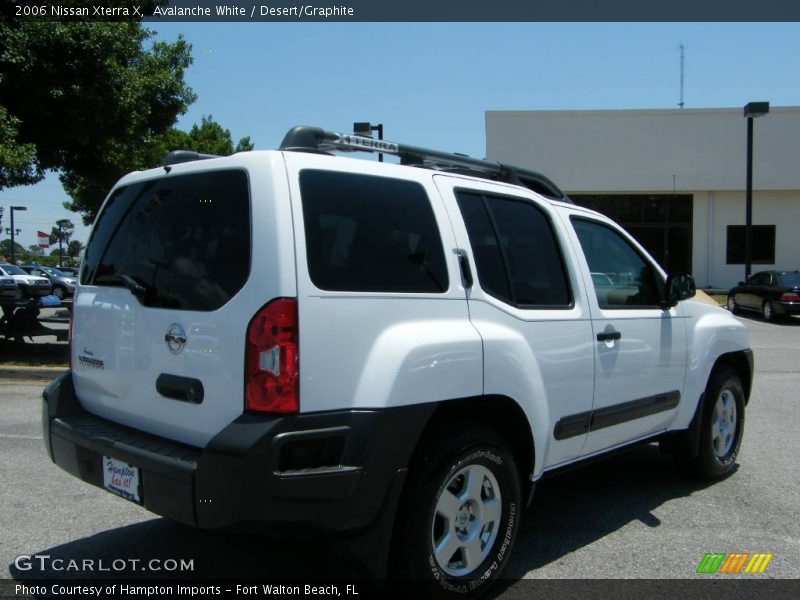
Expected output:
(164, 301)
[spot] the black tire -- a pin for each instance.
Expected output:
(720, 438)
(59, 292)
(732, 306)
(481, 542)
(767, 312)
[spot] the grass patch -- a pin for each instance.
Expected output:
(721, 299)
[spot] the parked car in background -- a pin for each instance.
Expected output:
(8, 288)
(63, 283)
(72, 271)
(772, 293)
(32, 286)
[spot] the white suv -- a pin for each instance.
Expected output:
(393, 351)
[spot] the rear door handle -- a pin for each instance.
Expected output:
(176, 387)
(608, 336)
(466, 272)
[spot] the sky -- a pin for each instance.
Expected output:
(431, 83)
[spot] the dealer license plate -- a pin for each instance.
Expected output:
(121, 478)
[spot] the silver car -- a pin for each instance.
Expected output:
(63, 283)
(32, 286)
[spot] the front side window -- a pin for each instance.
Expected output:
(516, 252)
(184, 239)
(621, 277)
(370, 234)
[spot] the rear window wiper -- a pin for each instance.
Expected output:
(136, 288)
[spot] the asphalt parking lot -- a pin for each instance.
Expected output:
(632, 516)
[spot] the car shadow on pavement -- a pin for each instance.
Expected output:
(568, 512)
(155, 549)
(579, 507)
(39, 354)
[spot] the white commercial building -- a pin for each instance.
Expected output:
(674, 178)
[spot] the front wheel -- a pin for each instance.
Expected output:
(59, 292)
(462, 514)
(722, 425)
(732, 304)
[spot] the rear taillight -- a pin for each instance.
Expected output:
(790, 297)
(272, 360)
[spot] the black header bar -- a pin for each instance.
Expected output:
(270, 11)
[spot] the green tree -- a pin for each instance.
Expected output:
(74, 249)
(5, 249)
(209, 137)
(64, 229)
(17, 160)
(78, 97)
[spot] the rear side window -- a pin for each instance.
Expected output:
(185, 239)
(516, 252)
(371, 234)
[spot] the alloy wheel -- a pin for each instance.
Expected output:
(723, 423)
(466, 520)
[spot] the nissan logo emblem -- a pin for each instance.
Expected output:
(175, 338)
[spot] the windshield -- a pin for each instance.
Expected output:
(790, 279)
(55, 272)
(13, 270)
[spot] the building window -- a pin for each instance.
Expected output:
(662, 223)
(763, 245)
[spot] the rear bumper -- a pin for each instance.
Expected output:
(323, 472)
(786, 308)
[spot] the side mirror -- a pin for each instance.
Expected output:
(679, 286)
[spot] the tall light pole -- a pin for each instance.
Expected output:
(60, 251)
(752, 110)
(13, 208)
(366, 129)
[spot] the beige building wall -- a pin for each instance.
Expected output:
(697, 151)
(779, 208)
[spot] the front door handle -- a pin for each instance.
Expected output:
(608, 336)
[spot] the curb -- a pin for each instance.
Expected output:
(25, 373)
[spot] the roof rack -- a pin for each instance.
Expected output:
(315, 139)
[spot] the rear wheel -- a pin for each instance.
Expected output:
(767, 312)
(462, 514)
(59, 292)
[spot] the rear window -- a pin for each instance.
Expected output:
(185, 239)
(372, 234)
(790, 279)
